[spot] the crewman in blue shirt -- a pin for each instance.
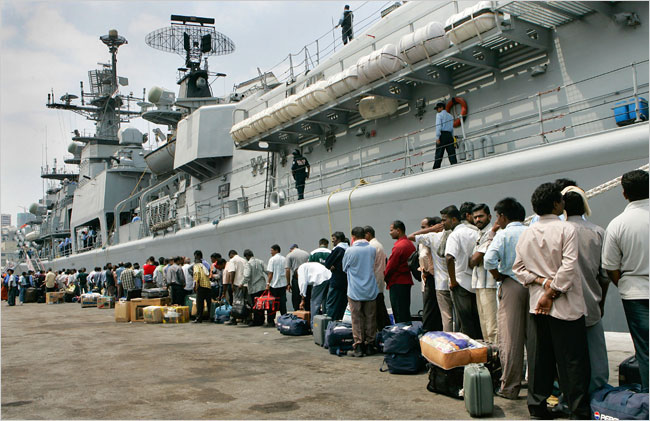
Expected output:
(346, 24)
(444, 136)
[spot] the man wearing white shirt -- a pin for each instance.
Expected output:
(189, 278)
(316, 275)
(625, 257)
(383, 319)
(458, 250)
(277, 282)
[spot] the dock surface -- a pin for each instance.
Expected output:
(65, 362)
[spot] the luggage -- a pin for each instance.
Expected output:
(302, 314)
(154, 293)
(477, 390)
(347, 316)
(153, 314)
(628, 371)
(176, 314)
(338, 338)
(446, 382)
(31, 295)
(123, 311)
(623, 402)
(89, 300)
(222, 319)
(54, 298)
(320, 326)
(138, 305)
(222, 310)
(105, 302)
(267, 302)
(402, 338)
(408, 363)
(289, 324)
(240, 307)
(452, 349)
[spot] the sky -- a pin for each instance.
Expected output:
(51, 45)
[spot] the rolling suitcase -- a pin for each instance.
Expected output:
(478, 390)
(31, 295)
(628, 371)
(320, 325)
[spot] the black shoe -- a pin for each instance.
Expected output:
(197, 321)
(356, 352)
(251, 324)
(371, 349)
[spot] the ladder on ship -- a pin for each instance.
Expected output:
(30, 264)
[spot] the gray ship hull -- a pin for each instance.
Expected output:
(590, 160)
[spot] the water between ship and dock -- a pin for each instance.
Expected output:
(65, 362)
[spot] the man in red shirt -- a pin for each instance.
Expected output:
(147, 271)
(397, 274)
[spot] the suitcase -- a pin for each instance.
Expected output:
(305, 315)
(288, 324)
(409, 363)
(628, 371)
(31, 295)
(446, 382)
(478, 390)
(320, 326)
(154, 293)
(623, 402)
(338, 338)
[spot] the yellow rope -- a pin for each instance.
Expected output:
(362, 182)
(329, 217)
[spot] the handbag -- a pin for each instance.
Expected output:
(240, 307)
(623, 402)
(266, 301)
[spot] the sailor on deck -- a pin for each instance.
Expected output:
(346, 24)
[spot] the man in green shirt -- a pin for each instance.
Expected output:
(321, 253)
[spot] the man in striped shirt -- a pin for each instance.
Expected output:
(127, 279)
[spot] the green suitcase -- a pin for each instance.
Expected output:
(478, 390)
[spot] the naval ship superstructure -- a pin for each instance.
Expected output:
(540, 90)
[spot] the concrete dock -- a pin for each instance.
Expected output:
(65, 362)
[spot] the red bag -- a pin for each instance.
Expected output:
(266, 301)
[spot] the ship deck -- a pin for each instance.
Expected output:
(65, 362)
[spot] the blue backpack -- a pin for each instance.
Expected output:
(402, 338)
(623, 402)
(291, 325)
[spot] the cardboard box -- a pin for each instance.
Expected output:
(302, 314)
(449, 360)
(138, 305)
(105, 302)
(54, 297)
(153, 314)
(123, 311)
(176, 314)
(89, 300)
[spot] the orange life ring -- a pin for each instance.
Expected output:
(463, 109)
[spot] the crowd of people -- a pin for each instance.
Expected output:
(540, 287)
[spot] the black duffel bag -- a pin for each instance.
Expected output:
(402, 338)
(446, 382)
(289, 324)
(409, 363)
(240, 306)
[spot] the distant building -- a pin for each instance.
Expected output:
(5, 220)
(23, 218)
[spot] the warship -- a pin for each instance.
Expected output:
(539, 90)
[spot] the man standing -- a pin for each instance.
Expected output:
(359, 264)
(398, 275)
(109, 280)
(176, 281)
(255, 279)
(316, 276)
(127, 279)
(82, 277)
(346, 24)
(202, 286)
(483, 283)
(300, 169)
(189, 279)
(277, 281)
(547, 263)
(50, 281)
(594, 282)
(321, 253)
(383, 319)
(458, 249)
(12, 284)
(512, 314)
(294, 259)
(338, 284)
(235, 274)
(444, 136)
(625, 257)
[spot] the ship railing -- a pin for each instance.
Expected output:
(310, 55)
(552, 124)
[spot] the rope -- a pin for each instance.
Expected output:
(602, 188)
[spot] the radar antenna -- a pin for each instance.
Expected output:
(192, 37)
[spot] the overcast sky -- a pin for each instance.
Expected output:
(51, 45)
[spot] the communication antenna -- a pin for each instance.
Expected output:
(191, 37)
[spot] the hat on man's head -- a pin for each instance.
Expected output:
(440, 105)
(296, 152)
(293, 246)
